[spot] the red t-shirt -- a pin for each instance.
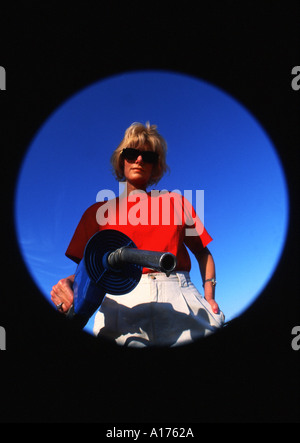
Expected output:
(163, 222)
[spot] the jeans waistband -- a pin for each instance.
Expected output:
(182, 276)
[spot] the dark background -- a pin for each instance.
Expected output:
(50, 372)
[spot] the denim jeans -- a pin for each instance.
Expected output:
(160, 311)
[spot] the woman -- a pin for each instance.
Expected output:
(161, 310)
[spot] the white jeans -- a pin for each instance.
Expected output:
(160, 311)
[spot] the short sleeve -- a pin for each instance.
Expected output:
(196, 236)
(86, 228)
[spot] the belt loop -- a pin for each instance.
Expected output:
(182, 279)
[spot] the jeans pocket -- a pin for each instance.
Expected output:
(200, 303)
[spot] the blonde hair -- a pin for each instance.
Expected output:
(140, 136)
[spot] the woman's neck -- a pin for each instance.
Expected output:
(130, 187)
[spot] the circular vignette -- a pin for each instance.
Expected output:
(214, 144)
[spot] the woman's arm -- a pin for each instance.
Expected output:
(208, 271)
(63, 293)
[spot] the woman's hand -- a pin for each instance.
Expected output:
(208, 271)
(62, 294)
(214, 305)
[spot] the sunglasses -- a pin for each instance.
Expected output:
(131, 154)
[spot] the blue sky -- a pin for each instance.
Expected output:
(214, 144)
